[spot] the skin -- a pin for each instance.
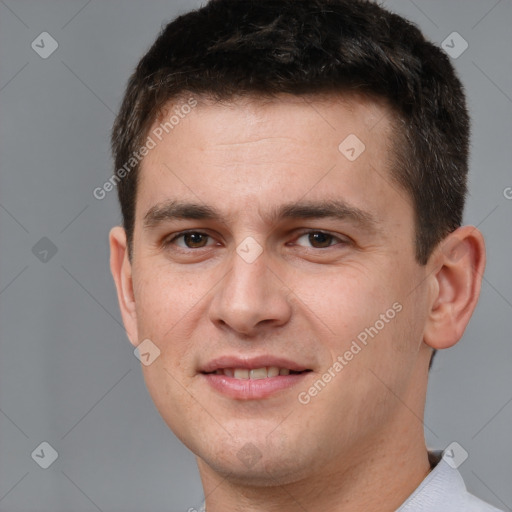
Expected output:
(359, 443)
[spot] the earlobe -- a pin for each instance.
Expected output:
(458, 264)
(121, 269)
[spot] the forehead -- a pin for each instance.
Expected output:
(253, 115)
(235, 154)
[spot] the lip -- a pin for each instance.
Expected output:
(251, 363)
(251, 389)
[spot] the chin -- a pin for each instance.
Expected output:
(244, 463)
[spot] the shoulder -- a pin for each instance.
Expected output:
(443, 490)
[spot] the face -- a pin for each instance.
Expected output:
(274, 271)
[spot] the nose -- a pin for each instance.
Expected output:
(252, 297)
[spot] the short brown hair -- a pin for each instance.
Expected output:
(230, 48)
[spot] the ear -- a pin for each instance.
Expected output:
(458, 265)
(121, 269)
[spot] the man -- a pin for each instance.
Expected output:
(292, 178)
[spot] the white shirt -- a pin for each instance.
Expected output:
(443, 490)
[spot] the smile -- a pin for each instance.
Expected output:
(256, 373)
(253, 378)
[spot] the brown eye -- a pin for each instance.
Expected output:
(191, 240)
(323, 239)
(194, 240)
(319, 239)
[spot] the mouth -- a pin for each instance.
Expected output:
(252, 379)
(264, 372)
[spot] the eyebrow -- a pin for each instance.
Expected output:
(336, 209)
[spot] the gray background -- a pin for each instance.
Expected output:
(68, 375)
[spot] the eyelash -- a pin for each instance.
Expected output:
(170, 241)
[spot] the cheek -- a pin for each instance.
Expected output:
(168, 390)
(164, 300)
(162, 297)
(164, 304)
(365, 316)
(344, 301)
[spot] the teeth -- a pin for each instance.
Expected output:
(241, 373)
(254, 374)
(273, 371)
(258, 373)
